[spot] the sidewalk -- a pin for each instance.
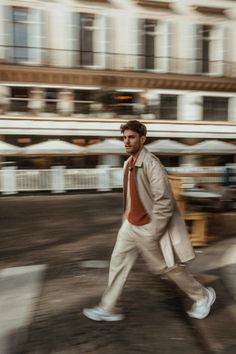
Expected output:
(73, 235)
(216, 266)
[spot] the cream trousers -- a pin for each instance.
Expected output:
(134, 240)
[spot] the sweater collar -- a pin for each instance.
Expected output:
(140, 158)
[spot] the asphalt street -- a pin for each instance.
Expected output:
(70, 238)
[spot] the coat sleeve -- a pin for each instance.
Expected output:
(163, 199)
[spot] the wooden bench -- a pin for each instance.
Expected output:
(195, 221)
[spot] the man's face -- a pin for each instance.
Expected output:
(133, 142)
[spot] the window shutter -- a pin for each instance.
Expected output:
(197, 49)
(162, 47)
(35, 36)
(46, 53)
(194, 48)
(101, 40)
(74, 38)
(227, 50)
(171, 55)
(217, 51)
(2, 32)
(108, 42)
(139, 42)
(8, 33)
(136, 40)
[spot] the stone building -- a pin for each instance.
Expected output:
(76, 69)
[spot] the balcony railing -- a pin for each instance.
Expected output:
(116, 61)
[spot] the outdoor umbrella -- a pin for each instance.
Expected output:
(108, 146)
(52, 148)
(167, 147)
(8, 149)
(216, 147)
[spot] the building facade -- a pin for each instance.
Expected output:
(76, 69)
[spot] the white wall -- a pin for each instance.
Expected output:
(190, 106)
(57, 32)
(232, 108)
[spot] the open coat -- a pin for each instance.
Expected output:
(166, 225)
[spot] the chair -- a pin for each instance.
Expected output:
(195, 221)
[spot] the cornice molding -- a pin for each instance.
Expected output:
(97, 1)
(154, 4)
(112, 78)
(214, 11)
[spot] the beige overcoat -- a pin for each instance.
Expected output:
(167, 225)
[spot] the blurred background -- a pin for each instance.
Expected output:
(71, 72)
(75, 70)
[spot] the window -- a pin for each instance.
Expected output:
(206, 31)
(203, 48)
(50, 96)
(146, 47)
(91, 40)
(215, 108)
(83, 39)
(86, 39)
(124, 103)
(19, 99)
(20, 33)
(149, 43)
(154, 44)
(168, 106)
(25, 34)
(83, 100)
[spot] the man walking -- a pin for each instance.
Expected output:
(153, 227)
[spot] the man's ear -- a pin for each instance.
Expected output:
(143, 139)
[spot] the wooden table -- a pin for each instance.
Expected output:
(203, 200)
(197, 194)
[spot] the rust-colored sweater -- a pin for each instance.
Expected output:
(137, 214)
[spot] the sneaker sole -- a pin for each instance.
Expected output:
(98, 318)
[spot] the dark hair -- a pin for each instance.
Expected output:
(135, 126)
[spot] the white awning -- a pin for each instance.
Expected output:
(167, 146)
(53, 147)
(216, 147)
(8, 149)
(108, 147)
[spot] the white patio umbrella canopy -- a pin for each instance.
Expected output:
(8, 149)
(167, 146)
(108, 146)
(52, 147)
(217, 147)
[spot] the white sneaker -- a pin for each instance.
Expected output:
(98, 314)
(202, 307)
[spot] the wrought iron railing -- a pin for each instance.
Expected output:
(114, 60)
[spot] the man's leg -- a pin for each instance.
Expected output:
(123, 258)
(182, 277)
(203, 297)
(150, 249)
